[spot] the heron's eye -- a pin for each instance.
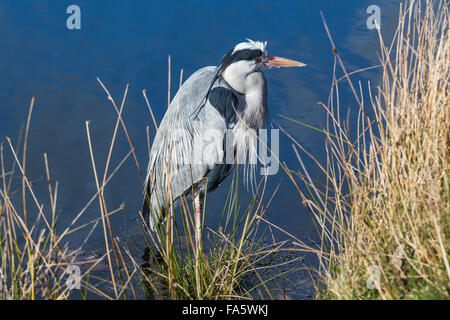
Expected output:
(258, 59)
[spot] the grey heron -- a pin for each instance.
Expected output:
(224, 106)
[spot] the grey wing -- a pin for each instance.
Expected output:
(178, 158)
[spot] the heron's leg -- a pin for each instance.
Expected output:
(198, 203)
(198, 219)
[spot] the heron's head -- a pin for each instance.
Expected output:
(240, 63)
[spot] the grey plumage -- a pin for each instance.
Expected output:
(180, 131)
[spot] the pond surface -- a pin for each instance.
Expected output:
(128, 42)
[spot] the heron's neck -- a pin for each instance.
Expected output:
(253, 87)
(242, 78)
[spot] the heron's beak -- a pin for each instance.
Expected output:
(278, 62)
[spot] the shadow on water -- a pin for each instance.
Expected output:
(284, 287)
(154, 284)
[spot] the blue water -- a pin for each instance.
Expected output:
(129, 42)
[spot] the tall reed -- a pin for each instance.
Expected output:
(385, 209)
(37, 262)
